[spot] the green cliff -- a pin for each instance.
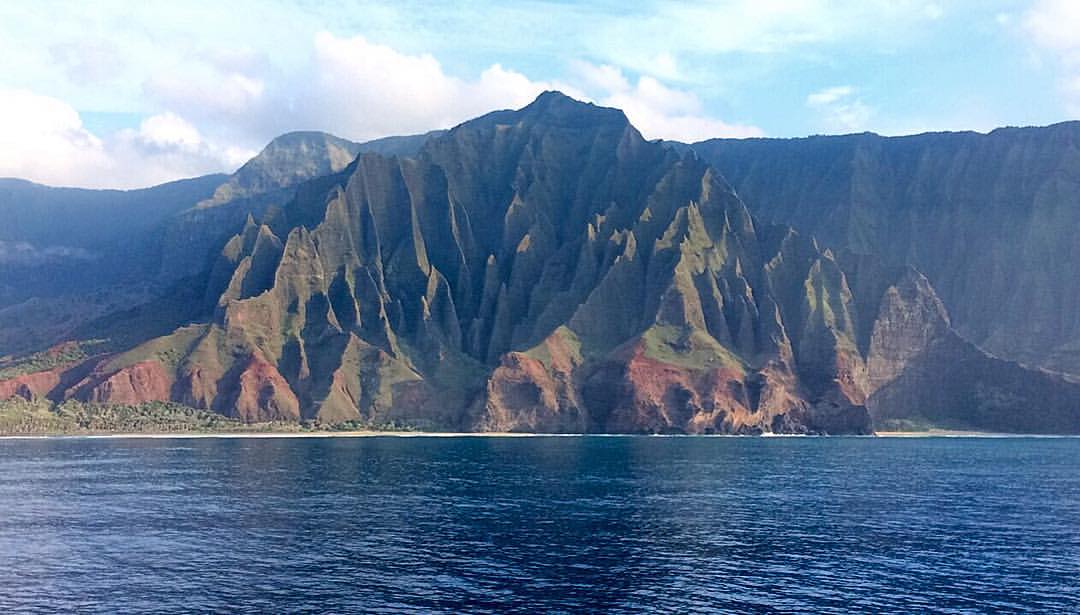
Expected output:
(991, 219)
(546, 269)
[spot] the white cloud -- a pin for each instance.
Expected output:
(716, 27)
(829, 96)
(660, 112)
(363, 90)
(227, 103)
(88, 61)
(237, 81)
(840, 109)
(1054, 25)
(43, 139)
(216, 94)
(169, 130)
(604, 77)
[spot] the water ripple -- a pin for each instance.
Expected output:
(560, 525)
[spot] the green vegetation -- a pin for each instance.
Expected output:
(364, 426)
(688, 348)
(542, 351)
(18, 416)
(913, 424)
(397, 288)
(999, 249)
(41, 417)
(169, 350)
(60, 356)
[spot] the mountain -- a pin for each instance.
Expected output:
(52, 236)
(406, 145)
(992, 220)
(545, 269)
(921, 373)
(188, 240)
(185, 243)
(71, 255)
(46, 217)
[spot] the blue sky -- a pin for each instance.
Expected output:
(124, 94)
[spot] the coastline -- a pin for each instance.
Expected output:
(952, 433)
(933, 433)
(366, 434)
(277, 435)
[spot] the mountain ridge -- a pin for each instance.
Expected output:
(71, 255)
(991, 219)
(542, 269)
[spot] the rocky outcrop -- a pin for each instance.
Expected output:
(523, 395)
(31, 386)
(520, 263)
(545, 269)
(991, 219)
(953, 384)
(188, 241)
(132, 384)
(262, 394)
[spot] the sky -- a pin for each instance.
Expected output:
(130, 94)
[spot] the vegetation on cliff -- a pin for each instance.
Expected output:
(21, 417)
(545, 269)
(991, 219)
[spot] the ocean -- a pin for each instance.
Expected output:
(540, 525)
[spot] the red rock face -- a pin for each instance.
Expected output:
(412, 398)
(137, 383)
(646, 395)
(198, 388)
(342, 400)
(634, 393)
(31, 386)
(525, 394)
(522, 395)
(263, 394)
(258, 393)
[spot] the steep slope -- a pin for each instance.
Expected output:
(991, 219)
(389, 291)
(55, 240)
(403, 145)
(70, 256)
(190, 241)
(921, 373)
(44, 216)
(545, 269)
(288, 160)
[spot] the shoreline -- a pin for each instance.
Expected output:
(933, 433)
(954, 433)
(271, 435)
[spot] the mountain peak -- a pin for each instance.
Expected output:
(555, 103)
(300, 138)
(286, 161)
(553, 108)
(548, 97)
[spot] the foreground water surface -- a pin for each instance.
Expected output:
(608, 524)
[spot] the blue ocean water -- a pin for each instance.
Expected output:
(544, 524)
